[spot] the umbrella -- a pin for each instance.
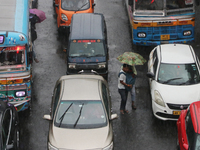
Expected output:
(39, 13)
(131, 58)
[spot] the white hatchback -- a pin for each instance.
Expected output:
(80, 116)
(173, 71)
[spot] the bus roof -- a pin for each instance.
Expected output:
(14, 16)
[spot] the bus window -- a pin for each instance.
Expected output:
(177, 4)
(11, 58)
(149, 5)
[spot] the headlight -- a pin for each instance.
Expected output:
(186, 33)
(72, 66)
(64, 17)
(101, 65)
(158, 99)
(20, 93)
(50, 147)
(141, 35)
(109, 147)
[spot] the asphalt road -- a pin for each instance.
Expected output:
(138, 130)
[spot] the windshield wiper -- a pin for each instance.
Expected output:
(81, 7)
(78, 116)
(63, 115)
(171, 80)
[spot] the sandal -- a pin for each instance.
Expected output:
(122, 112)
(126, 111)
(133, 107)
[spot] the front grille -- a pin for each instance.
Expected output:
(184, 27)
(99, 71)
(86, 66)
(171, 30)
(165, 30)
(167, 115)
(154, 33)
(178, 106)
(147, 30)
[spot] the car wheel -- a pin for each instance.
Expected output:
(17, 139)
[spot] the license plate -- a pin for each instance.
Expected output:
(165, 37)
(176, 112)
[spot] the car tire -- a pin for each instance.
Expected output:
(17, 139)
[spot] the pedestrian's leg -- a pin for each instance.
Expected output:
(133, 97)
(34, 54)
(126, 96)
(123, 95)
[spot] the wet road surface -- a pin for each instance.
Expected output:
(138, 130)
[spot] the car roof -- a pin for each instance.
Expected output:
(87, 26)
(176, 53)
(81, 87)
(195, 115)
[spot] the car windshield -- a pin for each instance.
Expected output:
(86, 48)
(74, 5)
(159, 4)
(80, 114)
(178, 74)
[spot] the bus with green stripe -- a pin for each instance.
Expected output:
(15, 53)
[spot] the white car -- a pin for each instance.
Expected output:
(173, 71)
(80, 117)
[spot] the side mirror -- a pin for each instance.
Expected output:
(47, 117)
(113, 116)
(93, 5)
(30, 57)
(56, 5)
(150, 75)
(130, 2)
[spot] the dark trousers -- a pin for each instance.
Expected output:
(124, 94)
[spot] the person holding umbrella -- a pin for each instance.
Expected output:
(122, 88)
(131, 59)
(36, 16)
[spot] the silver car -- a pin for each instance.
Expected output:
(80, 117)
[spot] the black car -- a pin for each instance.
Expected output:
(9, 127)
(87, 45)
